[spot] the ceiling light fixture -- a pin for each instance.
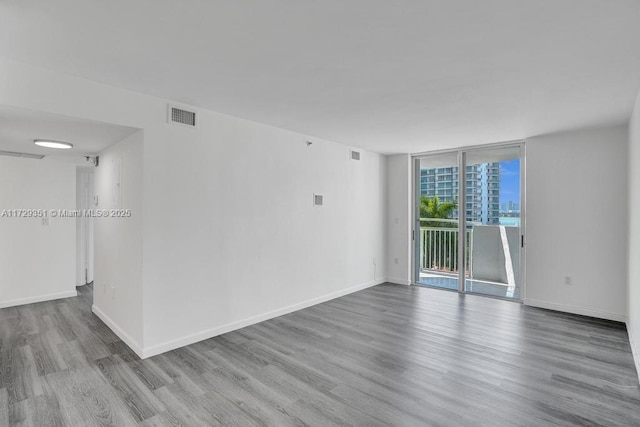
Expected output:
(48, 143)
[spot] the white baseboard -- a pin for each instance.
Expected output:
(635, 350)
(210, 333)
(133, 345)
(584, 311)
(41, 298)
(397, 281)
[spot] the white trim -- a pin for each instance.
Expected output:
(133, 345)
(635, 351)
(411, 223)
(584, 311)
(462, 220)
(522, 239)
(413, 199)
(470, 147)
(41, 298)
(397, 281)
(213, 332)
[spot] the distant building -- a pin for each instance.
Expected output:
(483, 189)
(509, 207)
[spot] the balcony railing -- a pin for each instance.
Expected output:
(439, 245)
(491, 250)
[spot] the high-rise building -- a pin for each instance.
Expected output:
(509, 207)
(482, 184)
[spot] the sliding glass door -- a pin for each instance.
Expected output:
(436, 225)
(469, 212)
(493, 205)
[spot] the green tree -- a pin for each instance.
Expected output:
(437, 251)
(430, 207)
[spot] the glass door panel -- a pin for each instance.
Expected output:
(436, 221)
(493, 205)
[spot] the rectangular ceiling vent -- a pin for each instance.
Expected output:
(181, 116)
(25, 155)
(355, 155)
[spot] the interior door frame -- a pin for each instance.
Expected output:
(462, 213)
(84, 226)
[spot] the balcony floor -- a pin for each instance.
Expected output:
(483, 287)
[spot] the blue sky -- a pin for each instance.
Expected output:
(510, 181)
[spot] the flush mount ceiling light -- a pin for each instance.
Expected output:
(52, 144)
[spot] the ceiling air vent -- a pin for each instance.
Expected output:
(181, 116)
(355, 155)
(25, 155)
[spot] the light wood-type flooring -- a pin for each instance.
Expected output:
(387, 355)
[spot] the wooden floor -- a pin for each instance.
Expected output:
(388, 355)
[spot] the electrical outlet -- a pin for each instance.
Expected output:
(395, 260)
(568, 281)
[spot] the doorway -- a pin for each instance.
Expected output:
(469, 220)
(84, 225)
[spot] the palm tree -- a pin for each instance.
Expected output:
(438, 250)
(432, 208)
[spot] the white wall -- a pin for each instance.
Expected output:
(37, 262)
(398, 225)
(234, 235)
(230, 235)
(633, 298)
(118, 240)
(577, 222)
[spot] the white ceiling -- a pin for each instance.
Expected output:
(388, 75)
(19, 127)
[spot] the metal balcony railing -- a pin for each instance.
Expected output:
(439, 245)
